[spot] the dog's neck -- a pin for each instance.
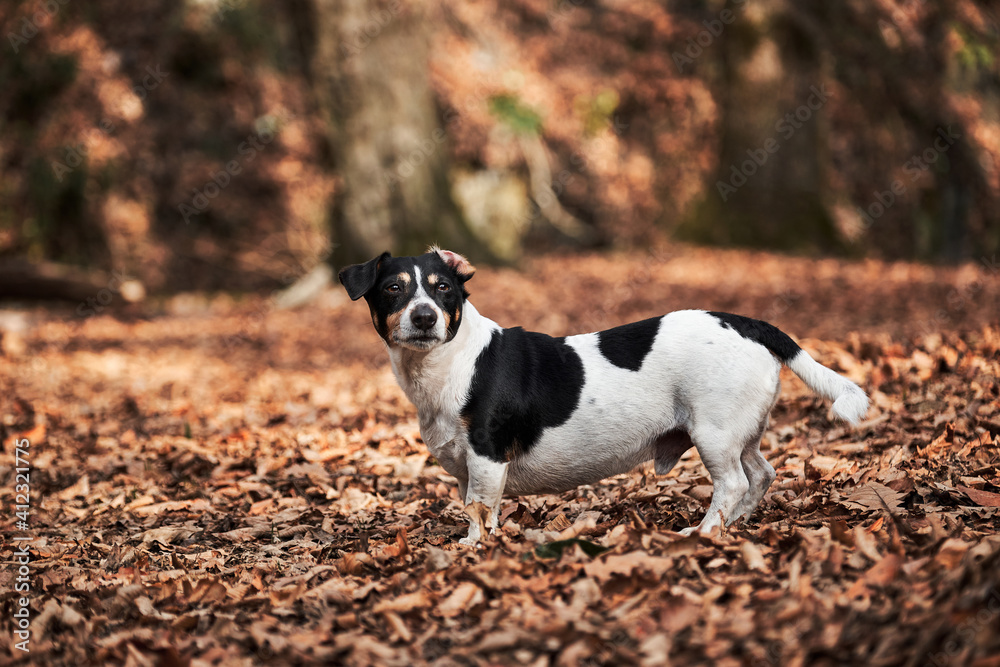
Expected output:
(432, 379)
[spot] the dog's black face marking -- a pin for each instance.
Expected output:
(523, 382)
(393, 289)
(768, 335)
(389, 285)
(626, 346)
(448, 291)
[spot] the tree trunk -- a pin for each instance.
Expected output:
(388, 145)
(768, 190)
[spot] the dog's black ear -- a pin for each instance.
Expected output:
(359, 278)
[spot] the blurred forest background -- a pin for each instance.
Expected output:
(220, 478)
(235, 144)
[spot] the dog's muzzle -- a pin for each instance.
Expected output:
(421, 328)
(423, 318)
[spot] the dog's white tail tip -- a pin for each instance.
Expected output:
(851, 406)
(849, 401)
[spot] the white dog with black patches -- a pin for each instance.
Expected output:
(507, 411)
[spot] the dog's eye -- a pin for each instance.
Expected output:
(443, 287)
(393, 289)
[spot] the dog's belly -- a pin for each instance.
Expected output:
(566, 465)
(609, 435)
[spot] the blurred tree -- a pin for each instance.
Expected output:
(904, 63)
(388, 144)
(768, 189)
(893, 159)
(611, 128)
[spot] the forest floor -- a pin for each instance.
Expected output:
(217, 481)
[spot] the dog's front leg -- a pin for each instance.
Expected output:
(487, 479)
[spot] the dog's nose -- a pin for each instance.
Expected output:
(424, 317)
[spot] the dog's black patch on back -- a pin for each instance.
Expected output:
(627, 346)
(768, 335)
(524, 382)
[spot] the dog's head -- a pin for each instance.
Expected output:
(415, 302)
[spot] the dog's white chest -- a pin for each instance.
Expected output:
(442, 436)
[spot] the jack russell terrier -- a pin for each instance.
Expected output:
(509, 411)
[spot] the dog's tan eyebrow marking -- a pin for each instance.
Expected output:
(404, 278)
(433, 279)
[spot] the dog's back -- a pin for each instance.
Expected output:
(692, 372)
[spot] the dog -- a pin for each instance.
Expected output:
(509, 411)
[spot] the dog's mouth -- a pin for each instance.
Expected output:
(419, 342)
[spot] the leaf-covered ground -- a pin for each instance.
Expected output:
(216, 481)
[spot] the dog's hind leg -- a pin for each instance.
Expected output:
(720, 451)
(487, 479)
(759, 473)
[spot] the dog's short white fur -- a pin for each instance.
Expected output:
(701, 383)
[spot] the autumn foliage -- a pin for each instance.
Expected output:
(219, 482)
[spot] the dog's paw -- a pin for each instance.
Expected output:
(468, 541)
(688, 532)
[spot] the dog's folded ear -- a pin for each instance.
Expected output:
(463, 268)
(359, 278)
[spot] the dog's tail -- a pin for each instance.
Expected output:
(850, 402)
